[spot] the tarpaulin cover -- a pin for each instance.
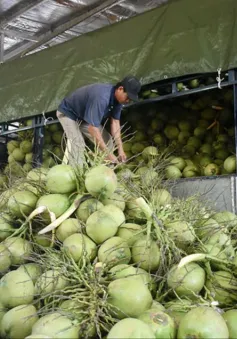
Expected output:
(183, 37)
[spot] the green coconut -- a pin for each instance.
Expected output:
(161, 323)
(146, 278)
(171, 132)
(22, 203)
(222, 154)
(183, 137)
(206, 148)
(149, 152)
(137, 148)
(157, 125)
(172, 172)
(114, 251)
(122, 271)
(48, 162)
(27, 167)
(139, 136)
(222, 286)
(11, 145)
(186, 281)
(116, 200)
(6, 227)
(18, 322)
(37, 174)
(18, 154)
(131, 328)
(184, 125)
(211, 169)
(199, 132)
(146, 254)
(129, 296)
(26, 146)
(104, 223)
(79, 245)
(16, 288)
(5, 258)
(61, 179)
(157, 306)
(190, 171)
(67, 228)
(161, 197)
(88, 207)
(56, 326)
(38, 336)
(225, 218)
(29, 158)
(181, 232)
(56, 203)
(57, 137)
(3, 180)
(32, 270)
(159, 139)
(49, 282)
(177, 309)
(130, 232)
(194, 141)
(19, 248)
(203, 322)
(230, 164)
(231, 320)
(178, 162)
(101, 182)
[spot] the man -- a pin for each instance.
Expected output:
(85, 110)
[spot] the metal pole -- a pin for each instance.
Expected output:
(38, 142)
(1, 48)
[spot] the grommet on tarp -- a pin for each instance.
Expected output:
(218, 78)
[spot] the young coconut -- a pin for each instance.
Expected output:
(187, 281)
(56, 203)
(131, 328)
(5, 258)
(79, 246)
(17, 323)
(104, 223)
(49, 282)
(61, 179)
(6, 228)
(19, 248)
(230, 317)
(16, 288)
(203, 322)
(161, 323)
(130, 232)
(68, 227)
(146, 254)
(114, 251)
(101, 182)
(88, 207)
(33, 270)
(22, 203)
(129, 296)
(56, 326)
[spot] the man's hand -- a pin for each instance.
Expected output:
(112, 158)
(122, 156)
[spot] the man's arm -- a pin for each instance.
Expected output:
(116, 134)
(97, 136)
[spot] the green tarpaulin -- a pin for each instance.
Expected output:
(183, 37)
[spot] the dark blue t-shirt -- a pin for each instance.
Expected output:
(92, 104)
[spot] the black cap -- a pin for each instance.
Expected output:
(132, 87)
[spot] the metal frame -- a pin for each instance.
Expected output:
(61, 26)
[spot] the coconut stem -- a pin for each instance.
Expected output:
(64, 216)
(144, 207)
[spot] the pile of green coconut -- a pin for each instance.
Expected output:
(196, 131)
(104, 252)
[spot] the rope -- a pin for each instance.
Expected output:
(46, 119)
(218, 78)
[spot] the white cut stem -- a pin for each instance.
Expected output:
(63, 217)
